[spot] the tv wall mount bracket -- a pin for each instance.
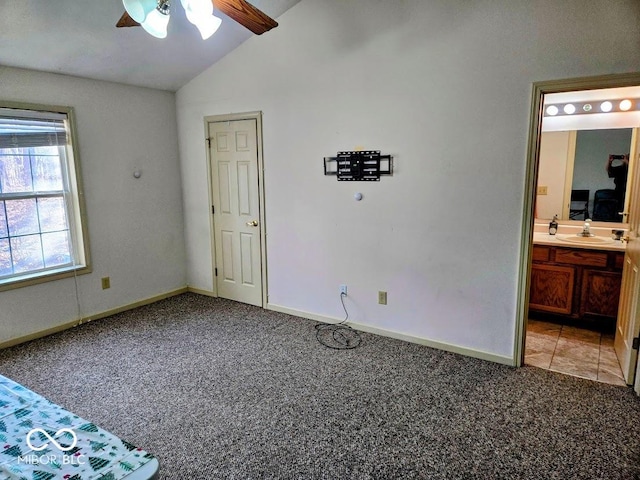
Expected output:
(365, 165)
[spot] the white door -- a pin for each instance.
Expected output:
(236, 210)
(628, 325)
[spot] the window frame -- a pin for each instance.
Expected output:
(76, 210)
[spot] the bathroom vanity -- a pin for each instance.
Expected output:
(578, 282)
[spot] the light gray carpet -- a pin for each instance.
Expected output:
(221, 390)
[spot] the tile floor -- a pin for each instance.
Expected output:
(573, 351)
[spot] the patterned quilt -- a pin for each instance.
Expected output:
(41, 441)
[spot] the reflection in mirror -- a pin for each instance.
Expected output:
(600, 167)
(583, 174)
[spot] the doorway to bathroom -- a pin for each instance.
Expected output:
(563, 285)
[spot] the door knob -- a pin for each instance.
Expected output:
(253, 223)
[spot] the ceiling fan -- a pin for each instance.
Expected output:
(153, 15)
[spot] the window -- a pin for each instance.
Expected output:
(41, 231)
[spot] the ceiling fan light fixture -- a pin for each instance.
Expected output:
(139, 9)
(208, 26)
(200, 13)
(157, 21)
(197, 8)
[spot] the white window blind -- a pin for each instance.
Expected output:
(20, 128)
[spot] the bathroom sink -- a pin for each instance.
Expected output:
(584, 240)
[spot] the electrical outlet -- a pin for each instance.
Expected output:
(382, 297)
(542, 190)
(343, 289)
(106, 283)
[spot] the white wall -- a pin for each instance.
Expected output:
(135, 226)
(445, 87)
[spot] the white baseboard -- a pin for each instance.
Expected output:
(89, 318)
(302, 313)
(447, 347)
(200, 291)
(276, 308)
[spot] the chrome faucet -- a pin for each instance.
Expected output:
(586, 229)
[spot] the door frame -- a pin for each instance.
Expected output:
(230, 117)
(539, 90)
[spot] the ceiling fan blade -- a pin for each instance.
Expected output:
(246, 15)
(126, 21)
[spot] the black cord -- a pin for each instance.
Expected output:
(338, 336)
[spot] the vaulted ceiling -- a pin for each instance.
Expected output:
(79, 37)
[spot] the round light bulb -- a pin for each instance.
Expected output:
(587, 107)
(569, 109)
(552, 110)
(625, 105)
(606, 106)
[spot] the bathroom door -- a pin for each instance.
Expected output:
(628, 325)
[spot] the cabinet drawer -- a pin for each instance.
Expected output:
(581, 257)
(619, 261)
(540, 254)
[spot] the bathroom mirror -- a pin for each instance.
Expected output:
(575, 178)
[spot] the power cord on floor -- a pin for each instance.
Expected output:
(338, 336)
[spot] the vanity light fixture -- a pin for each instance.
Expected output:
(606, 106)
(593, 107)
(625, 105)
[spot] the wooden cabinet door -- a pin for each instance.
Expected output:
(552, 288)
(600, 293)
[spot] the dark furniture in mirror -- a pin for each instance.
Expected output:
(579, 208)
(606, 206)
